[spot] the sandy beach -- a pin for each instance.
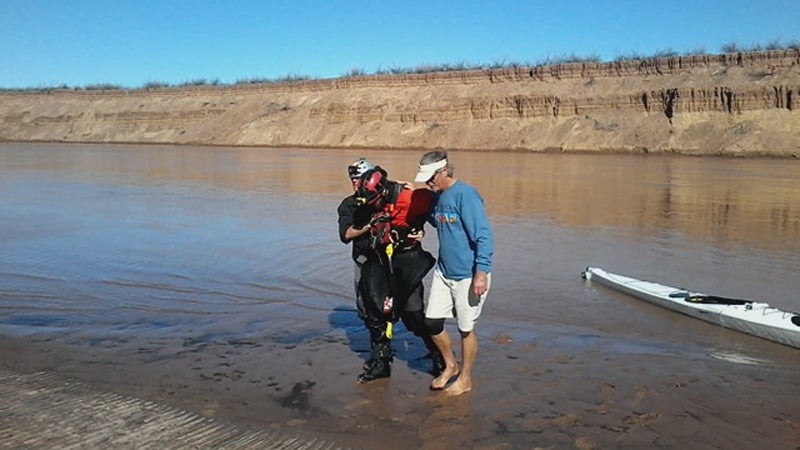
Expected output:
(546, 391)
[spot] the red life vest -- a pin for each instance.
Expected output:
(408, 211)
(411, 208)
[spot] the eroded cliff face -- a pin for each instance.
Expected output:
(731, 104)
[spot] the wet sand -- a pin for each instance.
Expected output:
(555, 390)
(42, 410)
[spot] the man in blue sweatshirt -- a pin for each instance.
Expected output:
(463, 272)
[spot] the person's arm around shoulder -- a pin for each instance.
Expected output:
(428, 198)
(421, 210)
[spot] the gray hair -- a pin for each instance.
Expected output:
(436, 156)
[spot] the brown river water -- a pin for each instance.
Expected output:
(120, 258)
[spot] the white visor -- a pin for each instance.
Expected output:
(426, 172)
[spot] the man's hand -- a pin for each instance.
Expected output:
(480, 283)
(416, 235)
(352, 232)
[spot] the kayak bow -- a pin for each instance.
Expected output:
(748, 316)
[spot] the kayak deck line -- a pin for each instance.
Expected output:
(747, 316)
(709, 299)
(44, 410)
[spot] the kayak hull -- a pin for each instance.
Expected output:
(747, 316)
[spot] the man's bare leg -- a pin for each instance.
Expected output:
(442, 341)
(469, 350)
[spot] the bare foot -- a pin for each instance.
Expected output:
(441, 381)
(460, 386)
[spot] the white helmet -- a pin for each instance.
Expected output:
(358, 167)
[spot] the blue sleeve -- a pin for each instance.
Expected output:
(431, 217)
(479, 233)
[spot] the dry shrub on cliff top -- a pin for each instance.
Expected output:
(201, 82)
(102, 87)
(155, 85)
(731, 47)
(429, 68)
(568, 59)
(734, 47)
(284, 79)
(355, 72)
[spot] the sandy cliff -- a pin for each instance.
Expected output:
(729, 104)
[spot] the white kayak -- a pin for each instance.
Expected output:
(747, 316)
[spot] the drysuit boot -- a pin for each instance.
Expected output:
(380, 361)
(376, 369)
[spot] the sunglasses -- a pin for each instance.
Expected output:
(430, 180)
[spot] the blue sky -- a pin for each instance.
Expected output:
(133, 42)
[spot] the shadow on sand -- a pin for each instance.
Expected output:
(407, 347)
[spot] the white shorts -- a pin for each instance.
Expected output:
(454, 298)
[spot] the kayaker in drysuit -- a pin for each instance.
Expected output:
(354, 226)
(391, 276)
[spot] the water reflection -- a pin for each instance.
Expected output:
(753, 200)
(756, 200)
(244, 238)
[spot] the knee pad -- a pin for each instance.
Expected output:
(435, 326)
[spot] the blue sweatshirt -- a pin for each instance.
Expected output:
(465, 238)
